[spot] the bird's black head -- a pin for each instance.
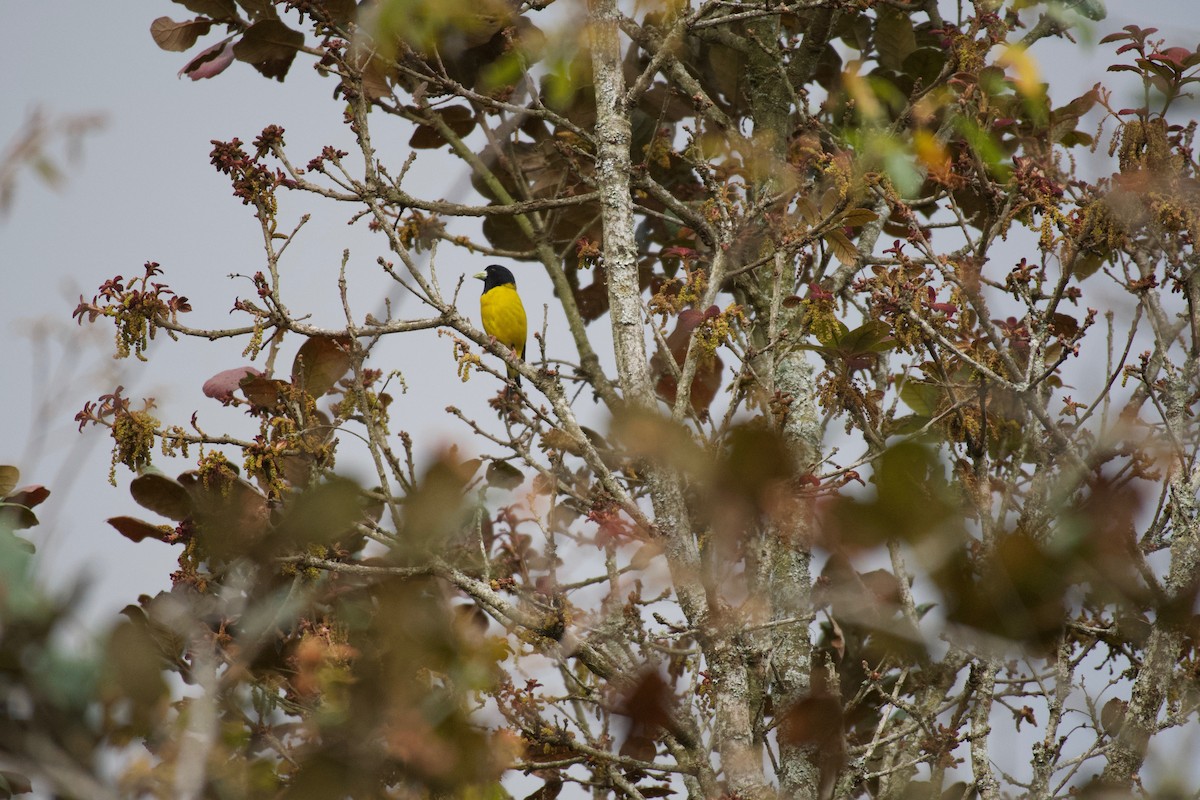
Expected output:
(495, 275)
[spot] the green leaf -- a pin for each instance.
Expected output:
(894, 37)
(872, 336)
(925, 64)
(1087, 264)
(459, 119)
(14, 517)
(923, 398)
(839, 331)
(985, 146)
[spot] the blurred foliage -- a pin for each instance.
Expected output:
(876, 494)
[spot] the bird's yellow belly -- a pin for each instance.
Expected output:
(504, 317)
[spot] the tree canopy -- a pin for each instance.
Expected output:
(870, 472)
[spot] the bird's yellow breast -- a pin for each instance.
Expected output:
(504, 317)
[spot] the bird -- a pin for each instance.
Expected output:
(503, 313)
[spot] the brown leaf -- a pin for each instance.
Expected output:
(178, 36)
(648, 704)
(340, 11)
(707, 380)
(29, 496)
(459, 119)
(639, 747)
(13, 783)
(837, 639)
(230, 513)
(816, 721)
(320, 363)
(259, 9)
(136, 530)
(549, 790)
(9, 476)
(1112, 716)
(841, 247)
(894, 37)
(857, 217)
(645, 554)
(264, 392)
(162, 495)
(503, 475)
(216, 9)
(270, 47)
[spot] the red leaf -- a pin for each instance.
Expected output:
(708, 372)
(28, 496)
(222, 385)
(1176, 55)
(211, 62)
(678, 251)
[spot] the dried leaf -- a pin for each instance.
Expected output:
(841, 246)
(320, 363)
(178, 36)
(857, 217)
(459, 119)
(503, 475)
(9, 476)
(270, 47)
(136, 529)
(218, 10)
(264, 392)
(162, 495)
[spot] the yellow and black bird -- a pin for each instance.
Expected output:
(502, 312)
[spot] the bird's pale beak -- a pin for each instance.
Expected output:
(481, 275)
